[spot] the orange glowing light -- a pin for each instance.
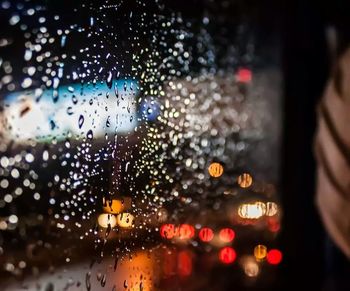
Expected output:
(167, 231)
(186, 231)
(206, 234)
(245, 180)
(274, 257)
(227, 255)
(215, 170)
(260, 252)
(227, 235)
(114, 207)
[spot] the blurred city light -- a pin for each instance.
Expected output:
(186, 231)
(114, 206)
(125, 220)
(250, 266)
(251, 210)
(244, 75)
(105, 220)
(227, 255)
(271, 209)
(167, 231)
(215, 170)
(274, 257)
(260, 252)
(245, 180)
(206, 234)
(227, 235)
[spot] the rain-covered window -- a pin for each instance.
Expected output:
(139, 146)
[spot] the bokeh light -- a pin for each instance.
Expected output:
(251, 267)
(245, 180)
(260, 252)
(227, 255)
(186, 231)
(244, 75)
(125, 220)
(167, 231)
(271, 209)
(227, 235)
(104, 220)
(274, 257)
(206, 234)
(114, 207)
(251, 210)
(215, 170)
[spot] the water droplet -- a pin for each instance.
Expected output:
(70, 110)
(90, 135)
(29, 158)
(14, 20)
(49, 287)
(45, 155)
(52, 125)
(81, 121)
(55, 96)
(93, 261)
(116, 90)
(27, 82)
(63, 40)
(87, 281)
(103, 281)
(108, 230)
(115, 263)
(109, 80)
(74, 99)
(99, 276)
(125, 284)
(28, 55)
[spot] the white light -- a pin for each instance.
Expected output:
(4, 162)
(4, 183)
(29, 158)
(251, 210)
(8, 198)
(107, 219)
(13, 219)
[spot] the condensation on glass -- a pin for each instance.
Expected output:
(139, 147)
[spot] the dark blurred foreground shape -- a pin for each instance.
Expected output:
(314, 34)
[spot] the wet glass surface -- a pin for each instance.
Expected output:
(139, 147)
